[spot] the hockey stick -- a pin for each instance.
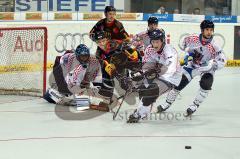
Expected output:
(123, 98)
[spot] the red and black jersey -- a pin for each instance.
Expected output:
(115, 30)
(111, 47)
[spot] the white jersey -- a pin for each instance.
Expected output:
(209, 51)
(167, 57)
(141, 40)
(75, 73)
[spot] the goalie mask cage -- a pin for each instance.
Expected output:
(23, 61)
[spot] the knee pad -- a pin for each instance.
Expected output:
(149, 94)
(206, 81)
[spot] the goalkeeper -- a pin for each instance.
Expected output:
(73, 73)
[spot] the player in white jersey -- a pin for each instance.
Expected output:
(207, 57)
(72, 74)
(142, 40)
(161, 70)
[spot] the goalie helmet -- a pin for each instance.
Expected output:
(83, 54)
(157, 34)
(206, 24)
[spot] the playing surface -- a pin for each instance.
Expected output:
(32, 128)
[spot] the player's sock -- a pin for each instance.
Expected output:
(202, 94)
(142, 110)
(171, 97)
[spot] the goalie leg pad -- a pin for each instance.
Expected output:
(53, 96)
(48, 98)
(206, 81)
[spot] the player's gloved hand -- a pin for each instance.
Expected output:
(126, 83)
(187, 58)
(133, 56)
(137, 76)
(110, 68)
(196, 56)
(212, 66)
(151, 74)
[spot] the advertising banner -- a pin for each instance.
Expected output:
(161, 17)
(67, 5)
(92, 16)
(188, 18)
(33, 16)
(222, 19)
(6, 16)
(65, 35)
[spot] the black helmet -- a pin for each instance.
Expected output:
(206, 24)
(157, 34)
(152, 20)
(99, 35)
(109, 9)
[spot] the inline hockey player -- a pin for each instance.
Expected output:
(161, 70)
(142, 40)
(73, 73)
(207, 57)
(112, 27)
(115, 56)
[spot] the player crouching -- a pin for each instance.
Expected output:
(75, 74)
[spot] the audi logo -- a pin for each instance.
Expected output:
(218, 38)
(69, 41)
